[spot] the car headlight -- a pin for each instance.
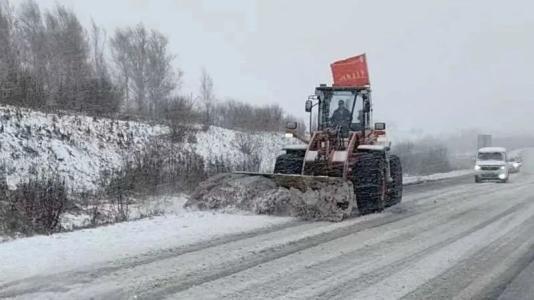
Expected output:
(503, 167)
(516, 165)
(477, 168)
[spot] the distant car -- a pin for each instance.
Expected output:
(514, 164)
(491, 164)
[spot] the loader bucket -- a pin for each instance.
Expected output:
(306, 197)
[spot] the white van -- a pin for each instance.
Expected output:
(491, 164)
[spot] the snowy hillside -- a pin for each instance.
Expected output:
(80, 147)
(227, 143)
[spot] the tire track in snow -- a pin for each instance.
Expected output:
(317, 240)
(503, 259)
(383, 274)
(338, 264)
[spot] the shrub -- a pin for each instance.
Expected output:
(35, 207)
(160, 168)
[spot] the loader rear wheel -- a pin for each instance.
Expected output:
(368, 177)
(289, 164)
(395, 187)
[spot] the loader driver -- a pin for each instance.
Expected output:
(341, 116)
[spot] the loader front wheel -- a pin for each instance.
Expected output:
(369, 180)
(289, 164)
(395, 188)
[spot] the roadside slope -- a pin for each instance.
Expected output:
(80, 147)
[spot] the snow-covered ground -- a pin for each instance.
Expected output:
(74, 250)
(179, 227)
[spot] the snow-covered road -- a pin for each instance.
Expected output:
(448, 239)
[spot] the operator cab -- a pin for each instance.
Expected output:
(343, 109)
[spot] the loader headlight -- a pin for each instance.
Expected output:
(502, 176)
(477, 168)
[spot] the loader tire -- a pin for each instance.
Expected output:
(395, 187)
(368, 177)
(288, 164)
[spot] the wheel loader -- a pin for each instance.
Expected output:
(351, 149)
(344, 167)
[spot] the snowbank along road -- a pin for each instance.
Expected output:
(451, 239)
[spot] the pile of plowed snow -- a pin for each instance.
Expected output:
(318, 198)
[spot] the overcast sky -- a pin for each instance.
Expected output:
(436, 65)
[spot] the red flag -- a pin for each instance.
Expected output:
(351, 72)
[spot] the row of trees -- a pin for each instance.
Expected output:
(243, 116)
(49, 60)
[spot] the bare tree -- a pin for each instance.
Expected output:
(161, 78)
(68, 57)
(104, 96)
(98, 43)
(137, 60)
(17, 85)
(144, 66)
(8, 55)
(8, 51)
(119, 47)
(207, 96)
(31, 34)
